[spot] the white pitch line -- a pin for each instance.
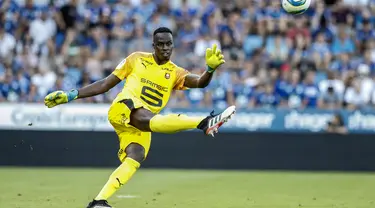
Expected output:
(127, 196)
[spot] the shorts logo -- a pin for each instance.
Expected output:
(120, 152)
(123, 119)
(167, 75)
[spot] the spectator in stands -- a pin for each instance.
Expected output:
(341, 13)
(343, 43)
(66, 20)
(25, 58)
(187, 36)
(154, 22)
(299, 29)
(23, 81)
(353, 97)
(122, 30)
(33, 95)
(7, 43)
(124, 7)
(321, 52)
(204, 41)
(268, 98)
(220, 89)
(310, 92)
(366, 83)
(9, 15)
(44, 78)
(29, 10)
(277, 48)
(332, 81)
(330, 99)
(184, 12)
(178, 100)
(243, 92)
(320, 22)
(95, 12)
(368, 61)
(8, 6)
(292, 91)
(365, 34)
(140, 42)
(10, 88)
(42, 30)
(72, 73)
(212, 24)
(85, 79)
(254, 40)
(194, 98)
(343, 64)
(300, 51)
(145, 10)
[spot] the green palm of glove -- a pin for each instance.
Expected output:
(214, 58)
(59, 97)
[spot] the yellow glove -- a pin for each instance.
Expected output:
(60, 97)
(214, 58)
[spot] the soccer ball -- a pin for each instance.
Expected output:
(295, 6)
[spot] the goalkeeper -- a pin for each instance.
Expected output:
(150, 80)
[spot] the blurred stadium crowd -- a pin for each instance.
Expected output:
(324, 58)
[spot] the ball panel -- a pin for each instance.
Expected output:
(296, 6)
(296, 2)
(298, 12)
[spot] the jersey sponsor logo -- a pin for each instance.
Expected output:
(154, 85)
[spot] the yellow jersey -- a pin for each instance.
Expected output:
(150, 83)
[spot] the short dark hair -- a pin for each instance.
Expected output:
(163, 30)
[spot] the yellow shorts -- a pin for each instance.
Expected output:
(119, 117)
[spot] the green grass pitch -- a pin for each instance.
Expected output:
(74, 188)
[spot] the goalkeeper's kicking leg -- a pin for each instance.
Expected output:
(146, 121)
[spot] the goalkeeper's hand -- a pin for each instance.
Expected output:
(214, 58)
(60, 97)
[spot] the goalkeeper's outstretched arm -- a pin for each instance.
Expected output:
(196, 81)
(98, 87)
(214, 58)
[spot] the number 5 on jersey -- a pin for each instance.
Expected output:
(148, 95)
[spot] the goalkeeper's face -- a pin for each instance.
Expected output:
(163, 46)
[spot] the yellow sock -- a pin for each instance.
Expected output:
(173, 123)
(118, 178)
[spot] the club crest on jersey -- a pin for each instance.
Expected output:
(167, 75)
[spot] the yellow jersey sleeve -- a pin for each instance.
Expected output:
(180, 79)
(125, 67)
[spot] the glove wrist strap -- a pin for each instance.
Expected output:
(72, 95)
(209, 69)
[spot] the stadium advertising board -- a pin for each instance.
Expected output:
(93, 117)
